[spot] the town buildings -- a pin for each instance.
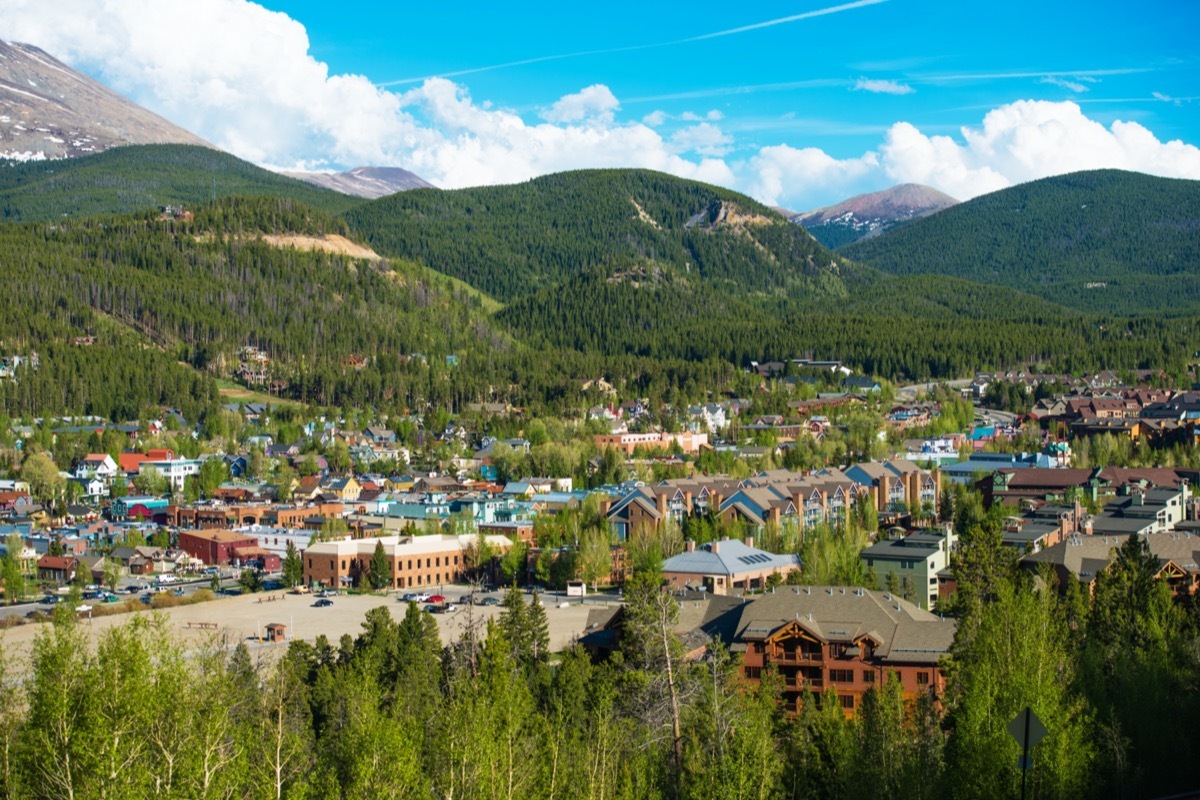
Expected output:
(413, 561)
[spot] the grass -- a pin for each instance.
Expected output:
(239, 393)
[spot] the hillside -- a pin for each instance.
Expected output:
(336, 328)
(366, 182)
(868, 215)
(141, 178)
(1107, 241)
(511, 241)
(50, 111)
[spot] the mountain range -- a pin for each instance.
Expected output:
(48, 111)
(631, 274)
(867, 215)
(368, 182)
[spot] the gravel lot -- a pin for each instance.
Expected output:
(244, 617)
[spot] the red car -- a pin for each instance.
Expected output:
(437, 599)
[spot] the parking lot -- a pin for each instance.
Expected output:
(245, 617)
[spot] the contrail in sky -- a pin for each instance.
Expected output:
(821, 12)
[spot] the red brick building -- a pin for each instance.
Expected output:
(215, 546)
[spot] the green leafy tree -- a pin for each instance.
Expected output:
(250, 581)
(994, 675)
(42, 475)
(512, 563)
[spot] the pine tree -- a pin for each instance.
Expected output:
(379, 576)
(293, 566)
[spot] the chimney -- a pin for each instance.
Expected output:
(749, 541)
(690, 545)
(714, 547)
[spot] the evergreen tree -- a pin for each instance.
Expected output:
(293, 566)
(379, 576)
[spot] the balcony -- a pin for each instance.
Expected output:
(799, 684)
(797, 657)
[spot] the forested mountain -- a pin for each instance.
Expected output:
(606, 274)
(511, 241)
(1107, 241)
(201, 289)
(141, 178)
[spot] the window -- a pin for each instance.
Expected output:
(868, 676)
(754, 673)
(841, 675)
(332, 566)
(438, 561)
(427, 564)
(410, 563)
(922, 679)
(343, 563)
(456, 561)
(310, 563)
(847, 700)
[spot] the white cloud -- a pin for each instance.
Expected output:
(704, 139)
(1027, 140)
(596, 102)
(782, 173)
(882, 87)
(242, 77)
(654, 118)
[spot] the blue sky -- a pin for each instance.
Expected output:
(799, 103)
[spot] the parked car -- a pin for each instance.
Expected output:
(417, 597)
(449, 607)
(489, 601)
(437, 599)
(147, 598)
(178, 592)
(329, 593)
(323, 602)
(111, 598)
(132, 589)
(50, 599)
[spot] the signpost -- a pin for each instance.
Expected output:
(1028, 730)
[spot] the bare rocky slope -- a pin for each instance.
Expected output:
(871, 214)
(368, 182)
(50, 111)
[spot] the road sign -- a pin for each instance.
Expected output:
(1027, 729)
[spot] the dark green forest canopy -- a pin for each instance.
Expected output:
(510, 241)
(142, 178)
(656, 284)
(1106, 241)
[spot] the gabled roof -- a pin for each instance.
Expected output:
(902, 632)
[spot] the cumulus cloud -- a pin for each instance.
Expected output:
(782, 173)
(596, 102)
(1026, 140)
(882, 87)
(242, 77)
(703, 139)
